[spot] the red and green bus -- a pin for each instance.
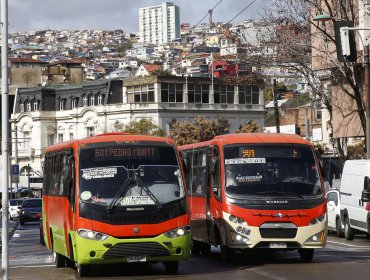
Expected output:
(255, 190)
(115, 198)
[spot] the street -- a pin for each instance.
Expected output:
(341, 259)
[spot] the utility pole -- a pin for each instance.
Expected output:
(5, 139)
(367, 94)
(277, 120)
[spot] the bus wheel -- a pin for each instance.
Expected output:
(60, 261)
(306, 254)
(348, 231)
(82, 269)
(227, 253)
(338, 228)
(171, 267)
(195, 247)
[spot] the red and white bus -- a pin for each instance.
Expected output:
(255, 190)
(115, 198)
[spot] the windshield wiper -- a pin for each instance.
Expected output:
(121, 190)
(281, 193)
(149, 193)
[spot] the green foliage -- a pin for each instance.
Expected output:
(143, 127)
(357, 151)
(249, 127)
(300, 100)
(186, 132)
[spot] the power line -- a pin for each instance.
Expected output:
(241, 11)
(207, 13)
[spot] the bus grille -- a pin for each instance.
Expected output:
(121, 250)
(278, 230)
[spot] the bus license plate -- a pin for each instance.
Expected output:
(131, 259)
(278, 245)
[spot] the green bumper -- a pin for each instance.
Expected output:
(113, 250)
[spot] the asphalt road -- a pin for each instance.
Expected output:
(340, 259)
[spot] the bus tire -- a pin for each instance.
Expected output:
(306, 254)
(171, 267)
(195, 247)
(60, 261)
(71, 259)
(21, 221)
(338, 228)
(349, 234)
(82, 270)
(227, 253)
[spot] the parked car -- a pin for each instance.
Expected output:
(354, 212)
(333, 203)
(30, 210)
(14, 208)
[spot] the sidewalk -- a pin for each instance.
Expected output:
(12, 226)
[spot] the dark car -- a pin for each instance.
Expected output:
(30, 210)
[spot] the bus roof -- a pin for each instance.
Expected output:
(109, 137)
(251, 138)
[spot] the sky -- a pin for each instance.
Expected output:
(24, 15)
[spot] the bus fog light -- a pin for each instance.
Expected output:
(238, 238)
(316, 238)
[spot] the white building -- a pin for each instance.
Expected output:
(159, 24)
(51, 114)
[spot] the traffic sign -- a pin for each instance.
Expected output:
(15, 173)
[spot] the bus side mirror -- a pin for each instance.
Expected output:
(365, 196)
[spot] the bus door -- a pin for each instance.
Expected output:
(199, 195)
(214, 205)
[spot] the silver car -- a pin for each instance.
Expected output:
(333, 205)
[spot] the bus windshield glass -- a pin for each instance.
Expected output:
(274, 170)
(129, 175)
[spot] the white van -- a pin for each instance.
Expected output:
(354, 211)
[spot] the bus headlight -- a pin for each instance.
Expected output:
(318, 220)
(177, 232)
(237, 220)
(92, 235)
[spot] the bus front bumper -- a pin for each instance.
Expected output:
(117, 250)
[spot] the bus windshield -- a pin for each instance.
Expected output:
(129, 175)
(274, 170)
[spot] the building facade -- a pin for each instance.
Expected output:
(159, 24)
(51, 114)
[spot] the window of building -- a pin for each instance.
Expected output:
(140, 93)
(198, 93)
(60, 138)
(21, 107)
(172, 92)
(70, 136)
(28, 106)
(61, 105)
(84, 101)
(223, 94)
(90, 131)
(35, 105)
(249, 95)
(100, 99)
(50, 139)
(74, 103)
(91, 100)
(26, 139)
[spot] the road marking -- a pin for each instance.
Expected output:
(28, 266)
(269, 275)
(349, 245)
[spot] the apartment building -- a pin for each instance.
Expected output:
(159, 24)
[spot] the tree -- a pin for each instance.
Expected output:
(297, 41)
(143, 127)
(249, 127)
(185, 132)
